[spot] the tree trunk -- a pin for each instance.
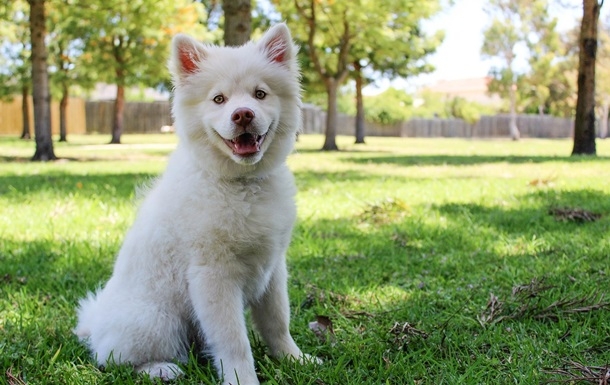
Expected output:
(514, 130)
(25, 113)
(238, 20)
(40, 83)
(63, 106)
(119, 106)
(584, 121)
(330, 143)
(359, 104)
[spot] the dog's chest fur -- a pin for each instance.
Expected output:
(238, 227)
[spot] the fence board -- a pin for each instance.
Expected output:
(11, 119)
(138, 117)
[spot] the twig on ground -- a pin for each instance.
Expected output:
(12, 379)
(316, 294)
(404, 332)
(356, 314)
(574, 214)
(526, 302)
(494, 307)
(575, 371)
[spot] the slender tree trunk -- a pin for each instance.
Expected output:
(40, 83)
(603, 120)
(238, 21)
(63, 106)
(584, 121)
(514, 130)
(330, 143)
(119, 106)
(359, 104)
(25, 113)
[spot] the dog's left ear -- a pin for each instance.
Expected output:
(276, 43)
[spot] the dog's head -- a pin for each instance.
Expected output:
(240, 103)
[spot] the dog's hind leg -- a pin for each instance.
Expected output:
(127, 330)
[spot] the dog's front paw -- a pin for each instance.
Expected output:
(309, 359)
(166, 371)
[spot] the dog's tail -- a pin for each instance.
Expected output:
(86, 315)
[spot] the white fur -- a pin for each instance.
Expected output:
(211, 236)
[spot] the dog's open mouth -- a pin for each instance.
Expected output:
(246, 144)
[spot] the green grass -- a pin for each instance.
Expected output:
(411, 247)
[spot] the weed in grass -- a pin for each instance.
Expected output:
(388, 211)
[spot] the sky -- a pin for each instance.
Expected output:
(459, 56)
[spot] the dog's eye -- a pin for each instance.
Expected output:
(260, 94)
(219, 99)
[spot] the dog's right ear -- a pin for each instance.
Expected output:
(277, 44)
(187, 54)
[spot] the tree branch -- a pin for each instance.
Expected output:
(311, 33)
(344, 47)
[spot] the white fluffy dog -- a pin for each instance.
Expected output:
(211, 236)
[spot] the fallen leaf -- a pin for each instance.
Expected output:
(322, 327)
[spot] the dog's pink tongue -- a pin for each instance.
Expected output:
(245, 144)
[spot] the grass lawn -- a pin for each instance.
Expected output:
(414, 261)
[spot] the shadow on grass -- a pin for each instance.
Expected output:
(351, 253)
(397, 251)
(54, 268)
(362, 150)
(114, 186)
(307, 180)
(468, 160)
(101, 157)
(15, 159)
(467, 245)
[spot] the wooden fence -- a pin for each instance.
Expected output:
(11, 117)
(138, 117)
(145, 117)
(496, 126)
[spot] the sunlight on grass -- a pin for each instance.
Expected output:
(401, 243)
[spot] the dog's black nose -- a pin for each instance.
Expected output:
(242, 116)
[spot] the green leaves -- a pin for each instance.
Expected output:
(525, 32)
(129, 41)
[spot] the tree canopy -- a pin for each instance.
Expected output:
(340, 37)
(128, 42)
